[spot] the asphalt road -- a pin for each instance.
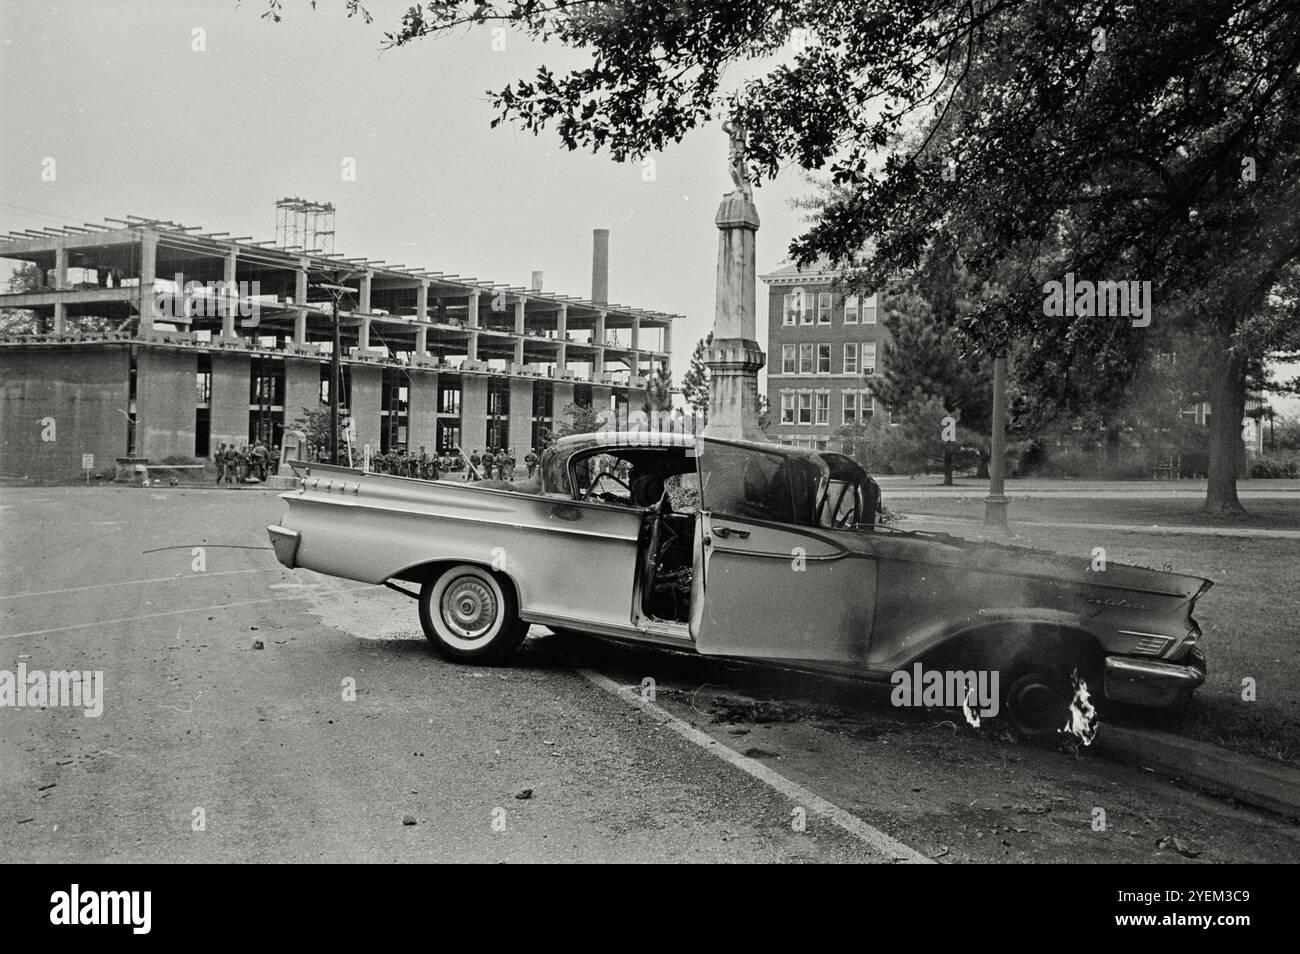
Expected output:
(209, 749)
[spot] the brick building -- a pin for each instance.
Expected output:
(173, 368)
(822, 348)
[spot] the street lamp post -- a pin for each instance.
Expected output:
(995, 504)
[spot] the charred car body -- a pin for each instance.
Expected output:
(745, 550)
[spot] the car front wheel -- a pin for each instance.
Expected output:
(471, 615)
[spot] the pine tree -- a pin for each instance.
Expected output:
(695, 385)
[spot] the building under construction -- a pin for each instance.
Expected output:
(156, 340)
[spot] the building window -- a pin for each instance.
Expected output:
(850, 409)
(823, 308)
(796, 308)
(788, 359)
(805, 408)
(805, 359)
(543, 400)
(868, 357)
(869, 311)
(867, 405)
(821, 444)
(448, 396)
(822, 409)
(850, 358)
(787, 408)
(823, 359)
(851, 309)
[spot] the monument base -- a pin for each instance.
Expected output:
(733, 365)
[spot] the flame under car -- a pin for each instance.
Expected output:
(745, 550)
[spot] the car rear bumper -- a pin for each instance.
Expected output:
(285, 544)
(1153, 682)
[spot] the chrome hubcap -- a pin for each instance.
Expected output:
(469, 608)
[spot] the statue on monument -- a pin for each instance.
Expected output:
(736, 158)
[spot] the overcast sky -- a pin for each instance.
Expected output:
(138, 122)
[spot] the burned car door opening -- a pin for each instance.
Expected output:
(745, 550)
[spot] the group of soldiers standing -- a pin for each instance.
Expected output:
(238, 464)
(402, 463)
(499, 464)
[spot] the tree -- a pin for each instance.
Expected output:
(21, 321)
(695, 385)
(315, 424)
(658, 393)
(1153, 142)
(579, 419)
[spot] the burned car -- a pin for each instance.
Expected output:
(747, 550)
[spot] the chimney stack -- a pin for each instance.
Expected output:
(600, 266)
(537, 282)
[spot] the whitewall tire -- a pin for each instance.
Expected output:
(471, 615)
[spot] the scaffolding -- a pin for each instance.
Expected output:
(304, 225)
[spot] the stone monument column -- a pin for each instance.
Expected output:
(734, 358)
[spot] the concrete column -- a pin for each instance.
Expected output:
(519, 331)
(471, 319)
(300, 284)
(422, 411)
(231, 374)
(300, 327)
(164, 392)
(231, 295)
(60, 284)
(563, 396)
(148, 303)
(520, 429)
(367, 391)
(363, 335)
(473, 412)
(668, 339)
(598, 339)
(422, 315)
(561, 335)
(301, 387)
(364, 304)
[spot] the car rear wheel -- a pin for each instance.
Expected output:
(1038, 702)
(471, 615)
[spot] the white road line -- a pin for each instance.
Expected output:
(156, 579)
(872, 837)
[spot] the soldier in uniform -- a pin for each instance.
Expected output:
(219, 458)
(530, 461)
(474, 461)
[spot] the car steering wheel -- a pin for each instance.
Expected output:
(601, 476)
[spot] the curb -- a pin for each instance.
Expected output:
(1253, 781)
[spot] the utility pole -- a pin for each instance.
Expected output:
(995, 504)
(337, 290)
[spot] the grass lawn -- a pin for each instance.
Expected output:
(1251, 618)
(1265, 514)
